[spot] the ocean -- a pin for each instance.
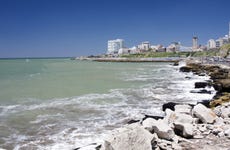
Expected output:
(65, 104)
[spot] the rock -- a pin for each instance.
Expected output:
(201, 84)
(205, 103)
(217, 130)
(227, 133)
(169, 105)
(132, 121)
(130, 137)
(222, 85)
(225, 112)
(148, 124)
(185, 129)
(203, 91)
(94, 146)
(176, 146)
(163, 130)
(183, 118)
(186, 69)
(205, 114)
(188, 77)
(186, 109)
(176, 63)
(172, 117)
(202, 127)
(153, 117)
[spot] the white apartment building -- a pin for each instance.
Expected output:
(115, 45)
(144, 46)
(211, 44)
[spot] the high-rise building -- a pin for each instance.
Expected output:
(195, 43)
(211, 44)
(115, 45)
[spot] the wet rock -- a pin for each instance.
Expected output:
(186, 69)
(201, 84)
(176, 63)
(222, 85)
(153, 117)
(92, 146)
(132, 121)
(169, 105)
(205, 114)
(131, 137)
(203, 91)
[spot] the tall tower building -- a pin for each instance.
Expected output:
(115, 45)
(195, 43)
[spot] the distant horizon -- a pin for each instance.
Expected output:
(80, 28)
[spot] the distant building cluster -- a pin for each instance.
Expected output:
(213, 44)
(117, 46)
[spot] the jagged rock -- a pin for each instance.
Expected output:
(225, 112)
(201, 84)
(186, 109)
(205, 114)
(130, 137)
(172, 117)
(185, 129)
(163, 130)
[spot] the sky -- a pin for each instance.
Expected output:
(60, 28)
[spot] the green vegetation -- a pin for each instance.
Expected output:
(172, 54)
(224, 50)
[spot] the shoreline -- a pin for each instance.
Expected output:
(118, 59)
(183, 133)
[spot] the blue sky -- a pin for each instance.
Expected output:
(46, 28)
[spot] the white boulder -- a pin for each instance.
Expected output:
(130, 137)
(163, 130)
(205, 114)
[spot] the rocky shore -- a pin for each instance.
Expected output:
(205, 125)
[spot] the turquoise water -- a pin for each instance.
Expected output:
(63, 104)
(58, 78)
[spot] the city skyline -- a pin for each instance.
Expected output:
(74, 28)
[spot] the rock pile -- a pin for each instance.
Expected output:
(220, 79)
(177, 130)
